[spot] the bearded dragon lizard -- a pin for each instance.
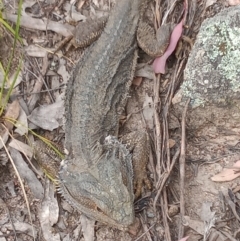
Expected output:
(97, 175)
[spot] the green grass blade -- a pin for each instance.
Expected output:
(16, 37)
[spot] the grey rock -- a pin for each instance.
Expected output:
(212, 74)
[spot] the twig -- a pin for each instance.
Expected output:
(37, 92)
(158, 136)
(165, 177)
(24, 153)
(182, 171)
(43, 80)
(146, 231)
(165, 215)
(21, 184)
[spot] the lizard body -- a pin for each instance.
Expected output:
(97, 176)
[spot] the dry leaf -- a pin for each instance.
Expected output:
(48, 117)
(145, 70)
(34, 98)
(4, 135)
(206, 214)
(227, 174)
(137, 81)
(209, 3)
(27, 174)
(12, 114)
(148, 111)
(1, 234)
(72, 15)
(63, 71)
(48, 214)
(184, 239)
(1, 77)
(233, 2)
(88, 226)
(134, 228)
(196, 225)
(21, 227)
(22, 123)
(37, 51)
(171, 143)
(96, 2)
(18, 80)
(22, 147)
(177, 97)
(42, 24)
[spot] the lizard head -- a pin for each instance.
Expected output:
(103, 191)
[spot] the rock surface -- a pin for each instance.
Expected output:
(212, 74)
(212, 82)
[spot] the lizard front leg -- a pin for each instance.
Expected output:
(153, 44)
(138, 143)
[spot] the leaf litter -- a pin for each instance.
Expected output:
(48, 214)
(48, 117)
(27, 174)
(228, 174)
(38, 114)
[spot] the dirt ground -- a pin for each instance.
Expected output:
(211, 207)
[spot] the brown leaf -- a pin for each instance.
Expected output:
(171, 143)
(11, 114)
(233, 2)
(227, 174)
(184, 239)
(137, 81)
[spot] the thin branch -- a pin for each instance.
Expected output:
(182, 171)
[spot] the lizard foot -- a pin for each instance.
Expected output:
(154, 44)
(138, 144)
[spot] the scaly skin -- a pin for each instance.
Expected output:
(97, 177)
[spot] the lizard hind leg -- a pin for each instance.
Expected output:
(138, 144)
